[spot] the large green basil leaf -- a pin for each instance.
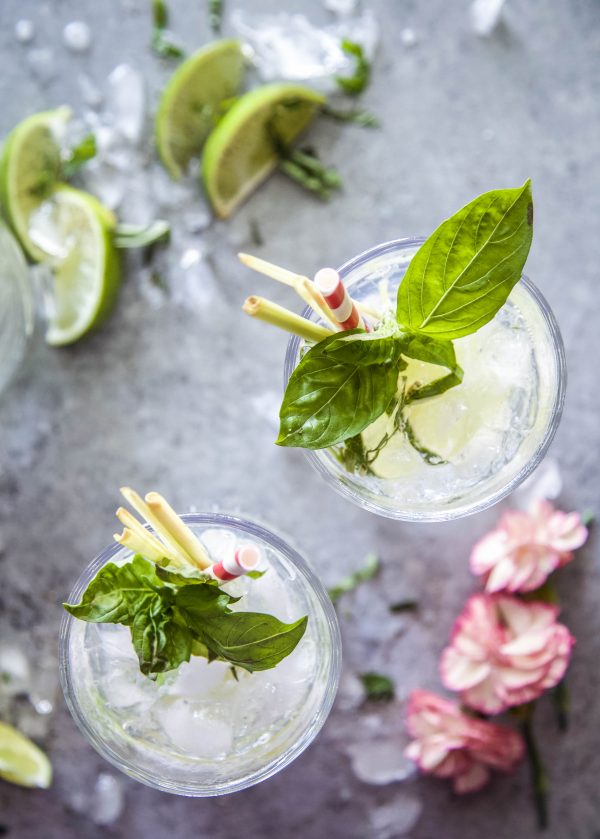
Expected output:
(463, 273)
(250, 639)
(161, 643)
(328, 400)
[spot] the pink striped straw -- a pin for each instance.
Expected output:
(243, 560)
(334, 292)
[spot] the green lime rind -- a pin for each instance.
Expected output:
(86, 281)
(21, 761)
(30, 167)
(190, 100)
(239, 153)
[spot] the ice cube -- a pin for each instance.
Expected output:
(191, 728)
(544, 484)
(341, 7)
(298, 666)
(107, 182)
(409, 37)
(126, 687)
(107, 800)
(351, 692)
(77, 36)
(197, 678)
(380, 762)
(485, 16)
(90, 92)
(219, 543)
(15, 671)
(126, 102)
(42, 65)
(397, 817)
(24, 31)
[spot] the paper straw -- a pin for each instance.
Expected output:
(245, 559)
(335, 294)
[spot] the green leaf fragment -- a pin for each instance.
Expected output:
(378, 688)
(368, 571)
(164, 46)
(463, 273)
(433, 351)
(357, 116)
(355, 84)
(141, 236)
(160, 14)
(79, 155)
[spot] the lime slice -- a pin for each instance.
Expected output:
(186, 113)
(78, 231)
(240, 152)
(21, 762)
(30, 166)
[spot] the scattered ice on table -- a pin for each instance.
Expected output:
(288, 46)
(194, 286)
(170, 194)
(107, 800)
(545, 483)
(197, 218)
(24, 31)
(351, 692)
(126, 102)
(397, 817)
(485, 16)
(190, 727)
(380, 761)
(90, 92)
(15, 672)
(343, 8)
(42, 64)
(409, 37)
(77, 36)
(266, 406)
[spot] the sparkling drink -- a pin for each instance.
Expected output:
(464, 449)
(207, 728)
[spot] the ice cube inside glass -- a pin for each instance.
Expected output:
(202, 730)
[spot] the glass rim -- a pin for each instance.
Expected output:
(134, 769)
(469, 508)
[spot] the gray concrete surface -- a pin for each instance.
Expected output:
(163, 396)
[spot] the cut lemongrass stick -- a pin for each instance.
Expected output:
(180, 531)
(155, 545)
(367, 310)
(140, 506)
(133, 541)
(259, 307)
(301, 285)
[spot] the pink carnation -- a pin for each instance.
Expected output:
(526, 548)
(504, 652)
(450, 744)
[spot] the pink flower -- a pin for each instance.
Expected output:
(526, 548)
(505, 651)
(450, 744)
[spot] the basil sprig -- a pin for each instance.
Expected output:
(172, 616)
(456, 283)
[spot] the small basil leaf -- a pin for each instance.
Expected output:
(378, 688)
(250, 640)
(365, 348)
(463, 273)
(355, 84)
(79, 155)
(160, 642)
(327, 401)
(195, 602)
(117, 593)
(175, 578)
(433, 351)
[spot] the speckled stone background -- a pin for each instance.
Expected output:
(178, 395)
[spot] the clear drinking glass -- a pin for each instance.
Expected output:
(149, 729)
(523, 350)
(16, 306)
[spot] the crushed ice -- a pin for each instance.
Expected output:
(485, 16)
(288, 46)
(397, 817)
(77, 36)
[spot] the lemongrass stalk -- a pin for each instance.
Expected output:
(143, 536)
(263, 309)
(318, 303)
(133, 541)
(364, 309)
(180, 531)
(140, 506)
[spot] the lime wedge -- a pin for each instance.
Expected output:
(240, 152)
(30, 167)
(189, 103)
(21, 762)
(78, 231)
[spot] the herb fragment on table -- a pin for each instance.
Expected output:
(588, 517)
(356, 116)
(161, 42)
(215, 15)
(78, 156)
(141, 236)
(406, 605)
(357, 82)
(369, 570)
(378, 688)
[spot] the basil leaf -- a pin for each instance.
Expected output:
(327, 401)
(463, 273)
(196, 602)
(79, 155)
(250, 639)
(369, 570)
(378, 688)
(355, 84)
(433, 351)
(116, 593)
(175, 578)
(365, 348)
(161, 643)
